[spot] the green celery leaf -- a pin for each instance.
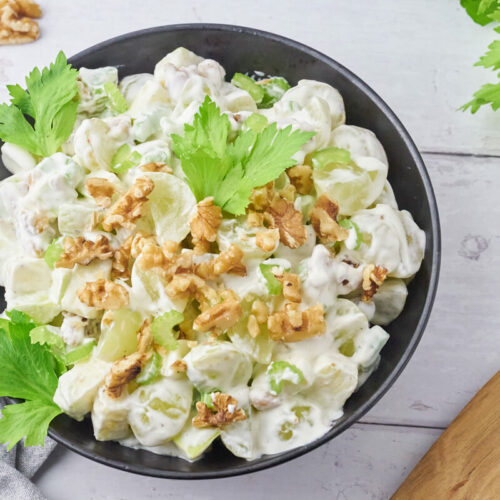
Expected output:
(42, 335)
(28, 369)
(151, 371)
(480, 10)
(21, 99)
(51, 100)
(30, 419)
(489, 93)
(492, 58)
(283, 371)
(162, 329)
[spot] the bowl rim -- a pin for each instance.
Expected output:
(281, 458)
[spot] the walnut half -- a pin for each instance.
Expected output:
(219, 317)
(226, 412)
(16, 25)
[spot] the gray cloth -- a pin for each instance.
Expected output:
(18, 466)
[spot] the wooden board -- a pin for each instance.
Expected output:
(464, 463)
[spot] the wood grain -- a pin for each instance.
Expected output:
(464, 463)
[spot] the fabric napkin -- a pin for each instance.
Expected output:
(18, 466)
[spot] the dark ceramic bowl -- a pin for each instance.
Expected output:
(244, 49)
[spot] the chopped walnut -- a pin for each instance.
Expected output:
(104, 294)
(226, 412)
(101, 190)
(16, 25)
(324, 220)
(228, 261)
(121, 258)
(128, 208)
(255, 219)
(170, 247)
(373, 277)
(301, 177)
(283, 215)
(179, 366)
(288, 192)
(128, 368)
(204, 224)
(40, 223)
(139, 241)
(219, 317)
(165, 264)
(260, 311)
(157, 166)
(262, 197)
(253, 326)
(190, 285)
(82, 251)
(292, 325)
(291, 286)
(267, 239)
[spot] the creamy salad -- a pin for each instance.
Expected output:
(206, 309)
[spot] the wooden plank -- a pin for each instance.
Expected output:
(460, 347)
(463, 462)
(366, 462)
(417, 54)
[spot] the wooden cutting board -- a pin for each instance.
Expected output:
(464, 463)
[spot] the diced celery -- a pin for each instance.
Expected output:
(274, 88)
(256, 122)
(124, 158)
(79, 353)
(328, 157)
(283, 371)
(273, 285)
(244, 82)
(117, 102)
(162, 329)
(151, 371)
(349, 224)
(53, 253)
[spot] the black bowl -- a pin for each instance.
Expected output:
(244, 49)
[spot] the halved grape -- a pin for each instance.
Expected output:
(119, 338)
(194, 441)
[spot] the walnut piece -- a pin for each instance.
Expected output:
(204, 224)
(189, 285)
(219, 317)
(157, 167)
(283, 215)
(128, 208)
(324, 221)
(128, 368)
(301, 177)
(260, 311)
(373, 277)
(121, 259)
(267, 239)
(291, 286)
(262, 197)
(253, 326)
(101, 190)
(292, 325)
(228, 261)
(255, 219)
(82, 251)
(104, 294)
(288, 192)
(179, 366)
(16, 25)
(226, 412)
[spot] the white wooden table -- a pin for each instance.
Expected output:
(418, 55)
